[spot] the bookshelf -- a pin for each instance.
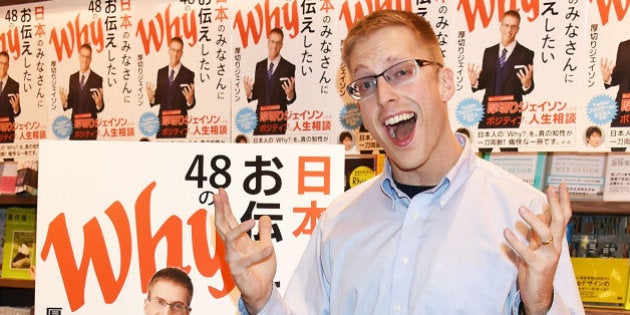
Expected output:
(603, 208)
(17, 292)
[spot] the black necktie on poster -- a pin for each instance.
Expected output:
(270, 72)
(1, 86)
(171, 77)
(82, 82)
(502, 58)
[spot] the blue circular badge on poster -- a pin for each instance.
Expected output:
(469, 112)
(149, 124)
(350, 116)
(246, 120)
(601, 109)
(62, 127)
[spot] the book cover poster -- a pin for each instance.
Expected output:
(606, 98)
(192, 102)
(24, 96)
(128, 209)
(286, 57)
(91, 59)
(19, 243)
(524, 99)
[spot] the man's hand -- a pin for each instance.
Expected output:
(189, 93)
(539, 260)
(63, 97)
(289, 88)
(150, 92)
(606, 67)
(473, 74)
(97, 96)
(253, 264)
(248, 84)
(14, 100)
(525, 75)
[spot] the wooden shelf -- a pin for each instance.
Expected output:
(601, 207)
(18, 200)
(17, 283)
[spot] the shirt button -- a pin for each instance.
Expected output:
(397, 308)
(414, 216)
(404, 260)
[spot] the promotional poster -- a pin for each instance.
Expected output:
(521, 98)
(106, 230)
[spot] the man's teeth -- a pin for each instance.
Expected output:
(396, 119)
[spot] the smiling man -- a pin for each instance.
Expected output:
(507, 73)
(440, 231)
(170, 292)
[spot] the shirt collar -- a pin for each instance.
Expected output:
(449, 184)
(175, 69)
(275, 62)
(509, 48)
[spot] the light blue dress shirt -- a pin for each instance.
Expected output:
(376, 251)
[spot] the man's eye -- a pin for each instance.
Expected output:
(178, 306)
(366, 85)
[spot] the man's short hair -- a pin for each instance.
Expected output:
(384, 18)
(172, 274)
(86, 46)
(177, 39)
(278, 31)
(512, 13)
(4, 53)
(591, 130)
(343, 135)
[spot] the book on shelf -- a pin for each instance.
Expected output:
(19, 243)
(8, 177)
(529, 166)
(359, 168)
(26, 181)
(617, 187)
(584, 174)
(3, 216)
(599, 252)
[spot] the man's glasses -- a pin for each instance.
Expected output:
(176, 307)
(396, 75)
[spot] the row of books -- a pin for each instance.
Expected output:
(592, 176)
(17, 242)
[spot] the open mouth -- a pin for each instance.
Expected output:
(400, 127)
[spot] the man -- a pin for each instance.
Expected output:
(619, 74)
(593, 137)
(9, 101)
(170, 292)
(345, 138)
(273, 87)
(506, 75)
(440, 231)
(84, 96)
(175, 93)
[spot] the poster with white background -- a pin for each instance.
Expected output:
(110, 214)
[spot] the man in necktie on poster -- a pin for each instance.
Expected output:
(273, 87)
(85, 97)
(619, 74)
(9, 101)
(175, 93)
(506, 75)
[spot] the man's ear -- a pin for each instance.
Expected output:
(447, 84)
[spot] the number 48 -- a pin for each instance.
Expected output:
(220, 177)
